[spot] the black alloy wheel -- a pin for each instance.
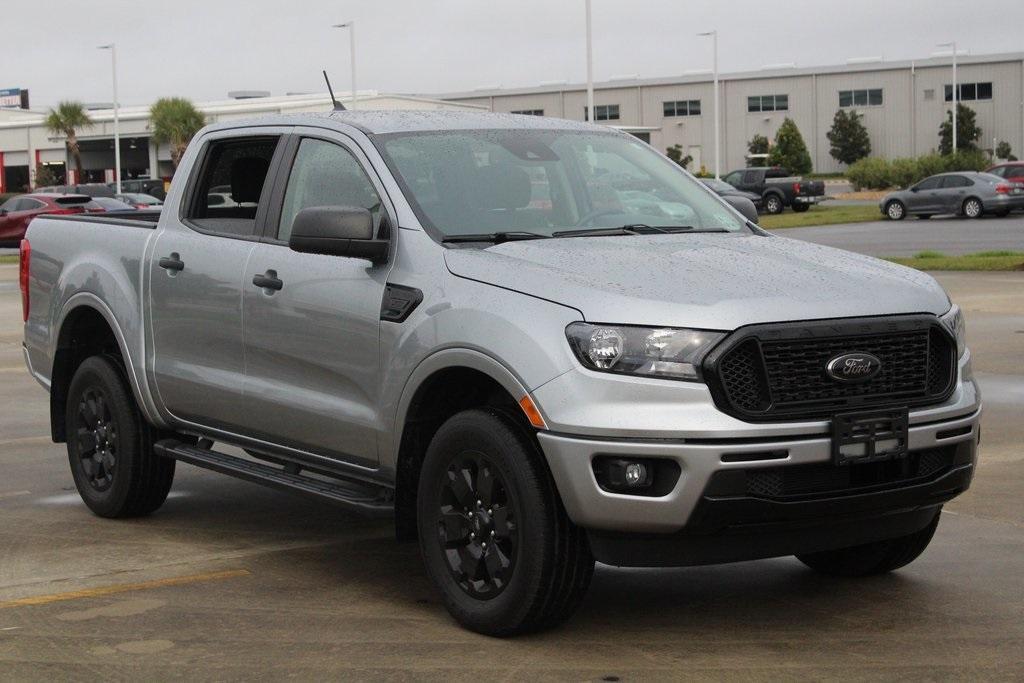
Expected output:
(97, 433)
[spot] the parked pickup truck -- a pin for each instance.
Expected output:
(777, 188)
(535, 343)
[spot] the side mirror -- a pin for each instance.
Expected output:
(337, 231)
(743, 205)
(915, 188)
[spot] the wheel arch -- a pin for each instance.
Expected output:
(87, 327)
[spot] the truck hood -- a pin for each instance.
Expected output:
(710, 281)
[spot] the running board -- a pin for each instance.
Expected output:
(366, 499)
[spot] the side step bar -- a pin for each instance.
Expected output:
(364, 499)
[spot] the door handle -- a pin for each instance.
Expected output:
(268, 280)
(172, 262)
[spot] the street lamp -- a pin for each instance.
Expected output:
(351, 26)
(714, 44)
(956, 94)
(117, 128)
(590, 68)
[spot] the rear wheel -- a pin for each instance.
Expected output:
(800, 208)
(972, 208)
(895, 210)
(495, 539)
(873, 558)
(924, 216)
(1003, 213)
(773, 204)
(110, 445)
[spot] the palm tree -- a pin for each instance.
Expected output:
(67, 119)
(174, 120)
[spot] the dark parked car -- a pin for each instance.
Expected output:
(965, 193)
(724, 189)
(141, 201)
(88, 189)
(154, 187)
(777, 188)
(111, 205)
(16, 212)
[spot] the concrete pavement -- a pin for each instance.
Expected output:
(231, 581)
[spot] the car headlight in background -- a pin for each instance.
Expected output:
(954, 322)
(668, 352)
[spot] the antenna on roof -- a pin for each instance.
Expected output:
(338, 106)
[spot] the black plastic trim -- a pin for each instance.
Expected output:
(399, 302)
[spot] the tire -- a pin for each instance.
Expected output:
(873, 558)
(924, 216)
(773, 204)
(800, 208)
(972, 208)
(544, 566)
(895, 210)
(1002, 214)
(112, 461)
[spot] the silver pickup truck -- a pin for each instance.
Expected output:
(535, 343)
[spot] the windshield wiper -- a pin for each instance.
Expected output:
(496, 237)
(629, 229)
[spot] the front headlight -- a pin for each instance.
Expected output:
(667, 352)
(954, 322)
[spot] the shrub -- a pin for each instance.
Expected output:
(758, 144)
(872, 173)
(848, 138)
(904, 172)
(967, 130)
(930, 164)
(675, 153)
(790, 151)
(967, 160)
(1003, 151)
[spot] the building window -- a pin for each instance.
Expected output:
(604, 112)
(682, 108)
(969, 92)
(768, 103)
(529, 112)
(929, 93)
(860, 98)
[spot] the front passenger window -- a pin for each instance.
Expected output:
(325, 174)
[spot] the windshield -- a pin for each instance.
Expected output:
(540, 182)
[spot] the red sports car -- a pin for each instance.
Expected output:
(16, 212)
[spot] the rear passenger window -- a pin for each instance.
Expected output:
(326, 174)
(232, 180)
(956, 181)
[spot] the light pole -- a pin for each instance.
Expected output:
(956, 93)
(351, 26)
(590, 68)
(714, 44)
(117, 127)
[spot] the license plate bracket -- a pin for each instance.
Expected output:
(869, 436)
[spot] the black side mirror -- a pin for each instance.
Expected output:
(337, 231)
(743, 205)
(915, 188)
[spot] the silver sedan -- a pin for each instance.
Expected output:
(964, 193)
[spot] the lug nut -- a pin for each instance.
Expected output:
(492, 533)
(472, 535)
(484, 544)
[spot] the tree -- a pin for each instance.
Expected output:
(67, 119)
(758, 144)
(848, 137)
(1003, 151)
(46, 176)
(967, 130)
(789, 150)
(675, 153)
(175, 121)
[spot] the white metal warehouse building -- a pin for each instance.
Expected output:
(903, 104)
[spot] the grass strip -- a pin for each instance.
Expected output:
(983, 260)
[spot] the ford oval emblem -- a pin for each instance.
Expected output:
(853, 367)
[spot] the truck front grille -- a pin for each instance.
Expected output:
(778, 372)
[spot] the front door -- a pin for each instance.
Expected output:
(926, 197)
(312, 340)
(197, 264)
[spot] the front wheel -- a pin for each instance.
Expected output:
(495, 539)
(972, 208)
(873, 558)
(773, 204)
(110, 445)
(895, 210)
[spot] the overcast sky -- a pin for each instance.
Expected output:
(201, 49)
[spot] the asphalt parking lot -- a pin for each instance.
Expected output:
(231, 581)
(951, 235)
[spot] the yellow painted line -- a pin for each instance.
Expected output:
(123, 588)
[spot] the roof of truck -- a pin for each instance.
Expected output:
(380, 122)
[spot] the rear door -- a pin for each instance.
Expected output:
(953, 192)
(196, 271)
(312, 345)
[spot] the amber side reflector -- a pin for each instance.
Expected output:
(532, 414)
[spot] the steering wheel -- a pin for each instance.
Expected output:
(596, 214)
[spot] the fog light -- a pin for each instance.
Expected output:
(636, 474)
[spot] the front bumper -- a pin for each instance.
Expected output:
(682, 424)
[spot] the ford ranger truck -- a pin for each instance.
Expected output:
(535, 343)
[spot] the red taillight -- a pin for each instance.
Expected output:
(25, 258)
(796, 188)
(1002, 188)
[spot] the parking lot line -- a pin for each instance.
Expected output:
(123, 588)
